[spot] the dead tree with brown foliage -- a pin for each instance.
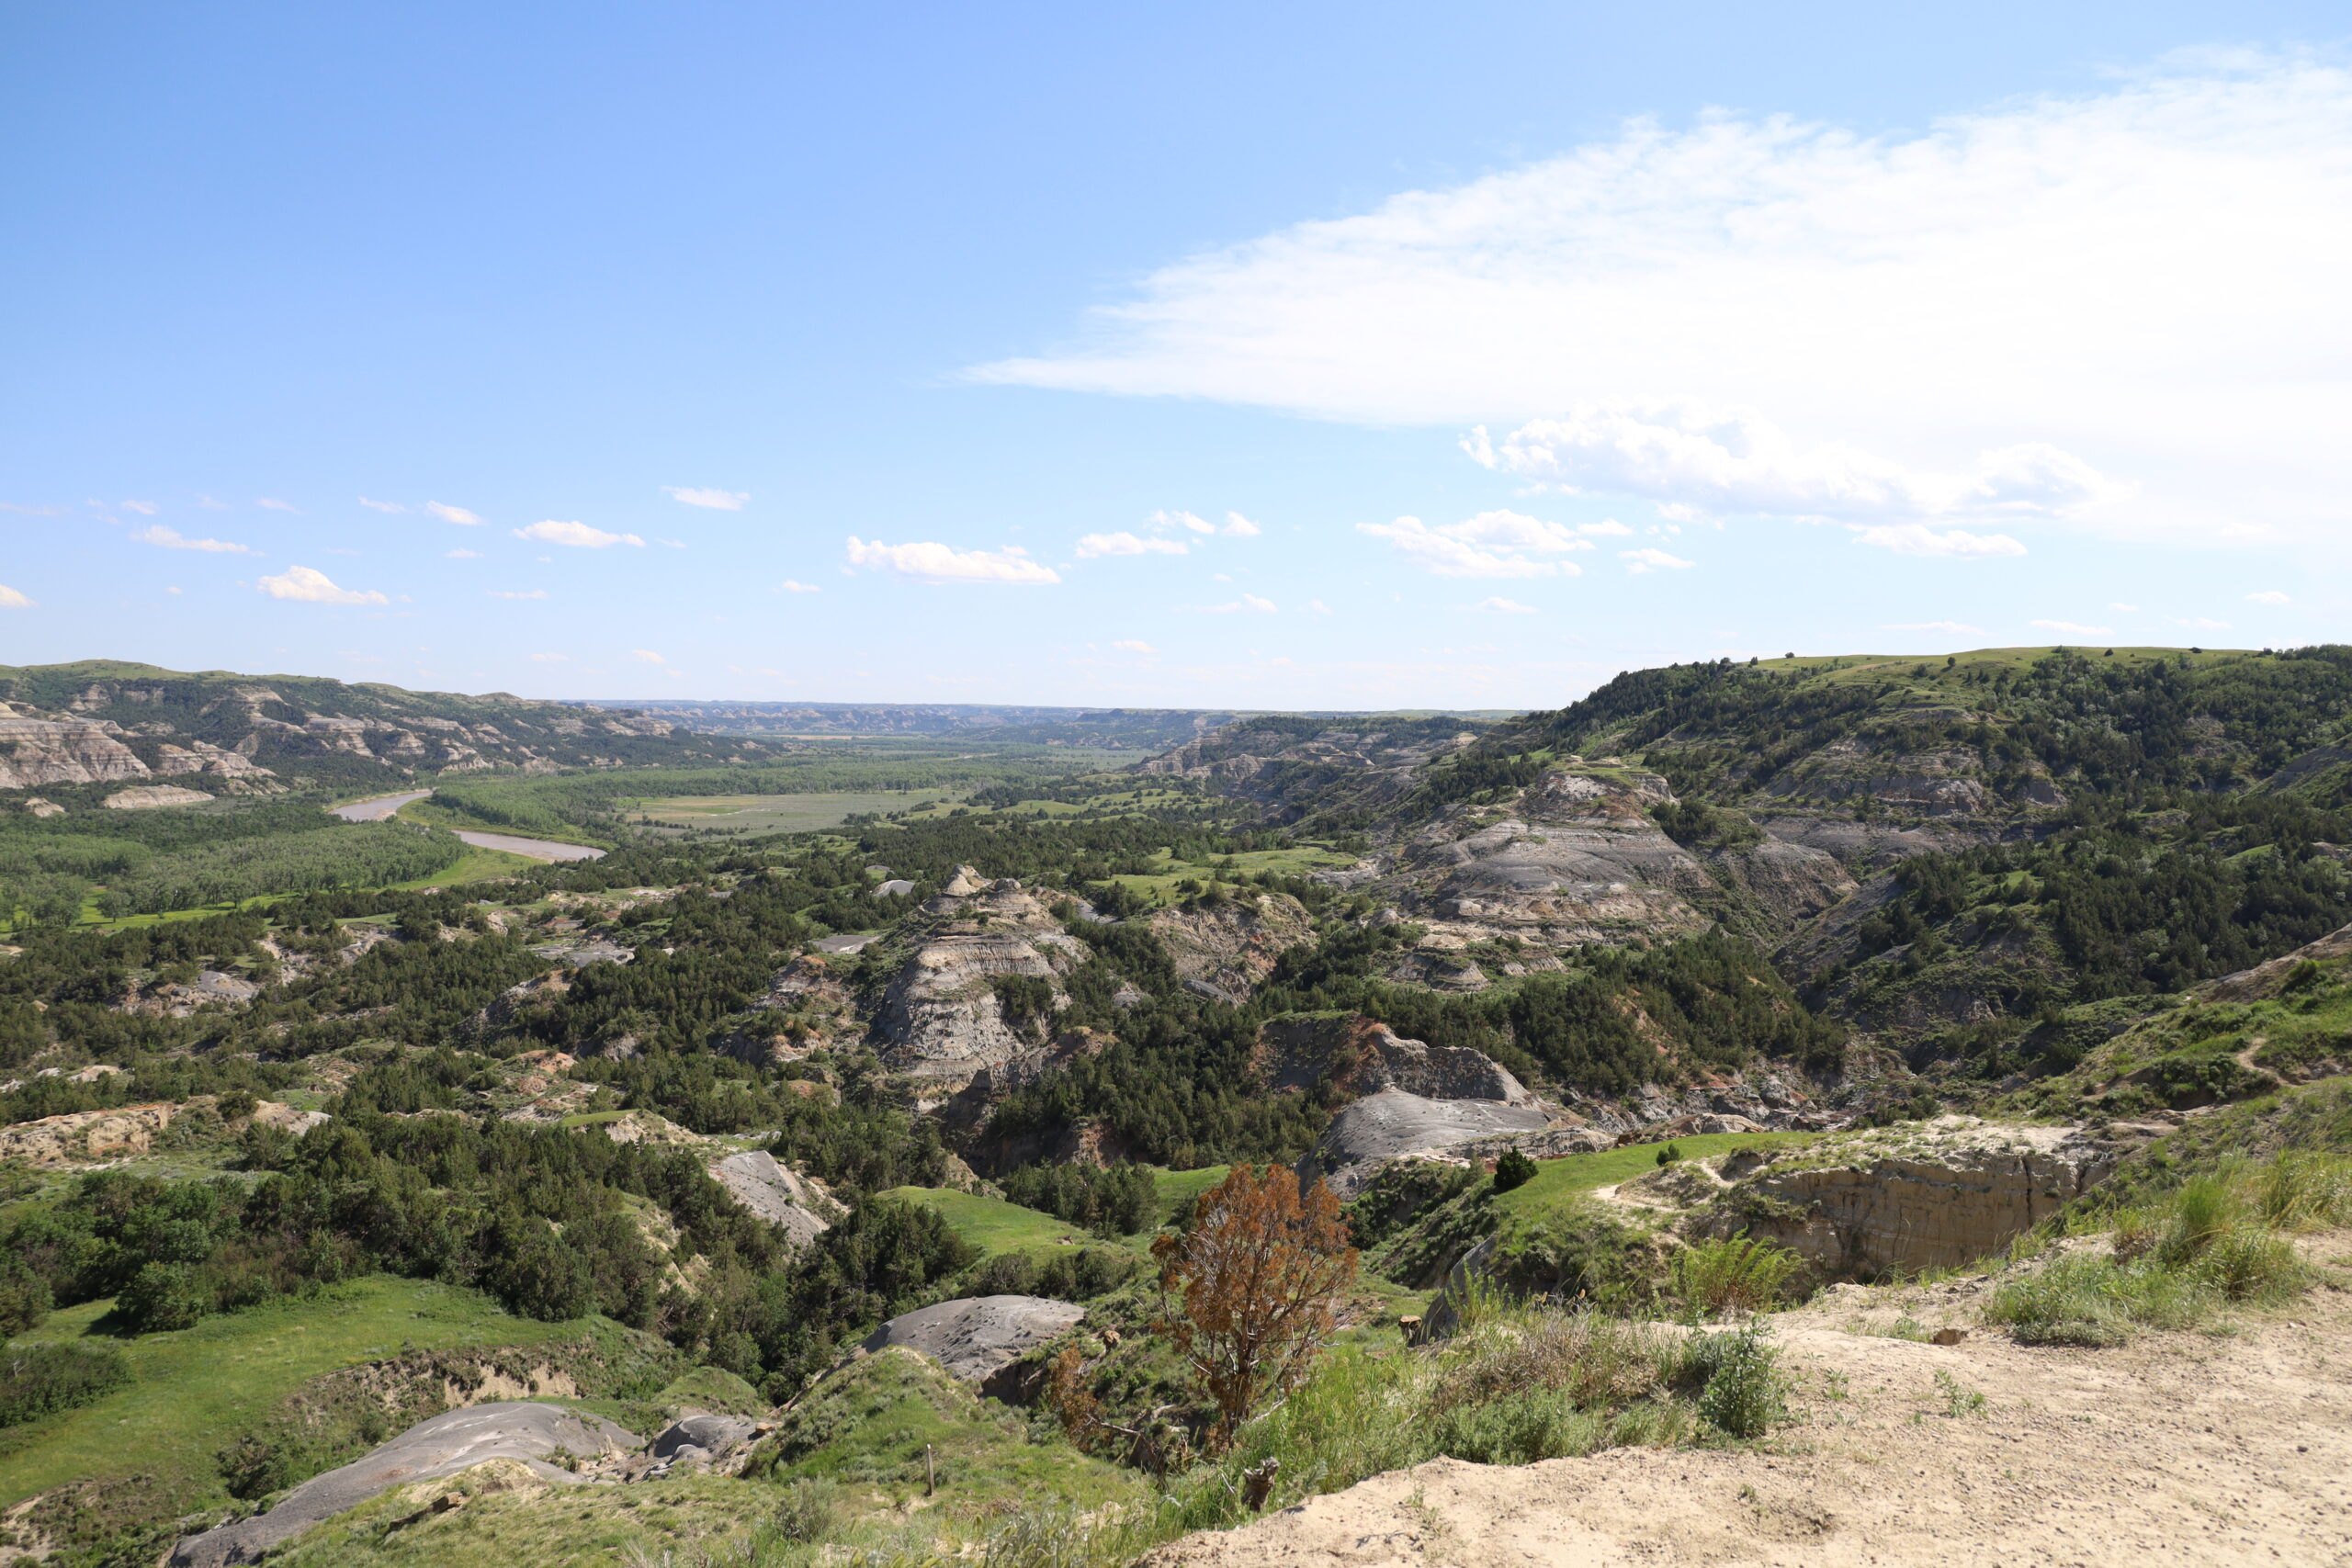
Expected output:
(1249, 1291)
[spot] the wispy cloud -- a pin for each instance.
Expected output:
(933, 562)
(1184, 520)
(716, 499)
(1958, 628)
(12, 600)
(550, 658)
(1502, 607)
(647, 656)
(1124, 544)
(1492, 543)
(1649, 560)
(579, 536)
(2201, 624)
(1134, 645)
(2269, 596)
(2075, 629)
(1240, 527)
(516, 593)
(170, 539)
(32, 511)
(1918, 539)
(790, 586)
(461, 553)
(311, 586)
(144, 508)
(457, 515)
(271, 503)
(381, 505)
(1247, 605)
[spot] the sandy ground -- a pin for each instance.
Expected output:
(2177, 1448)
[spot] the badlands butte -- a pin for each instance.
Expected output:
(1800, 1112)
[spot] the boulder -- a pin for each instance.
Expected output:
(1394, 1124)
(527, 1432)
(701, 1437)
(979, 1336)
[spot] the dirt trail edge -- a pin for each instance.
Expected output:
(2177, 1448)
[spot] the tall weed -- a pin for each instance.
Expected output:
(1732, 1274)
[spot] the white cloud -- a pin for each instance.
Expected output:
(2269, 596)
(1240, 527)
(579, 536)
(1897, 304)
(1132, 645)
(1918, 539)
(1315, 607)
(171, 590)
(1609, 527)
(272, 503)
(462, 554)
(516, 593)
(12, 600)
(1649, 560)
(1960, 628)
(1123, 544)
(209, 504)
(2203, 624)
(1180, 519)
(789, 586)
(314, 587)
(32, 511)
(1492, 543)
(1735, 460)
(672, 544)
(550, 658)
(381, 505)
(1502, 607)
(457, 515)
(716, 500)
(1247, 605)
(2075, 630)
(931, 562)
(647, 656)
(144, 508)
(2127, 609)
(170, 539)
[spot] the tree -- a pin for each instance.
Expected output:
(1251, 1286)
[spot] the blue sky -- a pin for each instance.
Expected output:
(1289, 355)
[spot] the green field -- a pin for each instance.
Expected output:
(1159, 885)
(1558, 1179)
(771, 813)
(194, 1390)
(1178, 1188)
(993, 1225)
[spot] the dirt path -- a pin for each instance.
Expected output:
(2178, 1448)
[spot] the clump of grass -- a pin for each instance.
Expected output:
(1959, 1399)
(1732, 1274)
(806, 1512)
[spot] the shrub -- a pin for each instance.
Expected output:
(1513, 1170)
(1743, 1393)
(1667, 1153)
(25, 1299)
(807, 1514)
(163, 1296)
(38, 1378)
(1732, 1274)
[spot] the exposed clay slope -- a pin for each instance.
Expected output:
(942, 1020)
(1225, 950)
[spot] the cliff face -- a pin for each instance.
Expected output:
(36, 751)
(1353, 1055)
(1929, 1195)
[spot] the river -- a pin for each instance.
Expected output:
(384, 805)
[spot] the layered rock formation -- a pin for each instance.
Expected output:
(1225, 950)
(84, 1135)
(944, 1018)
(1393, 1125)
(1929, 1195)
(1350, 1054)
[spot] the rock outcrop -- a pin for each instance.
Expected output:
(1923, 1195)
(1223, 950)
(944, 1018)
(1393, 1125)
(979, 1336)
(776, 1193)
(525, 1432)
(84, 1135)
(148, 797)
(1355, 1055)
(37, 750)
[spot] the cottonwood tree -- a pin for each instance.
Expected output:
(1249, 1290)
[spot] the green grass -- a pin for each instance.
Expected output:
(547, 1529)
(763, 813)
(194, 1390)
(991, 1224)
(1558, 1180)
(1177, 1187)
(1159, 886)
